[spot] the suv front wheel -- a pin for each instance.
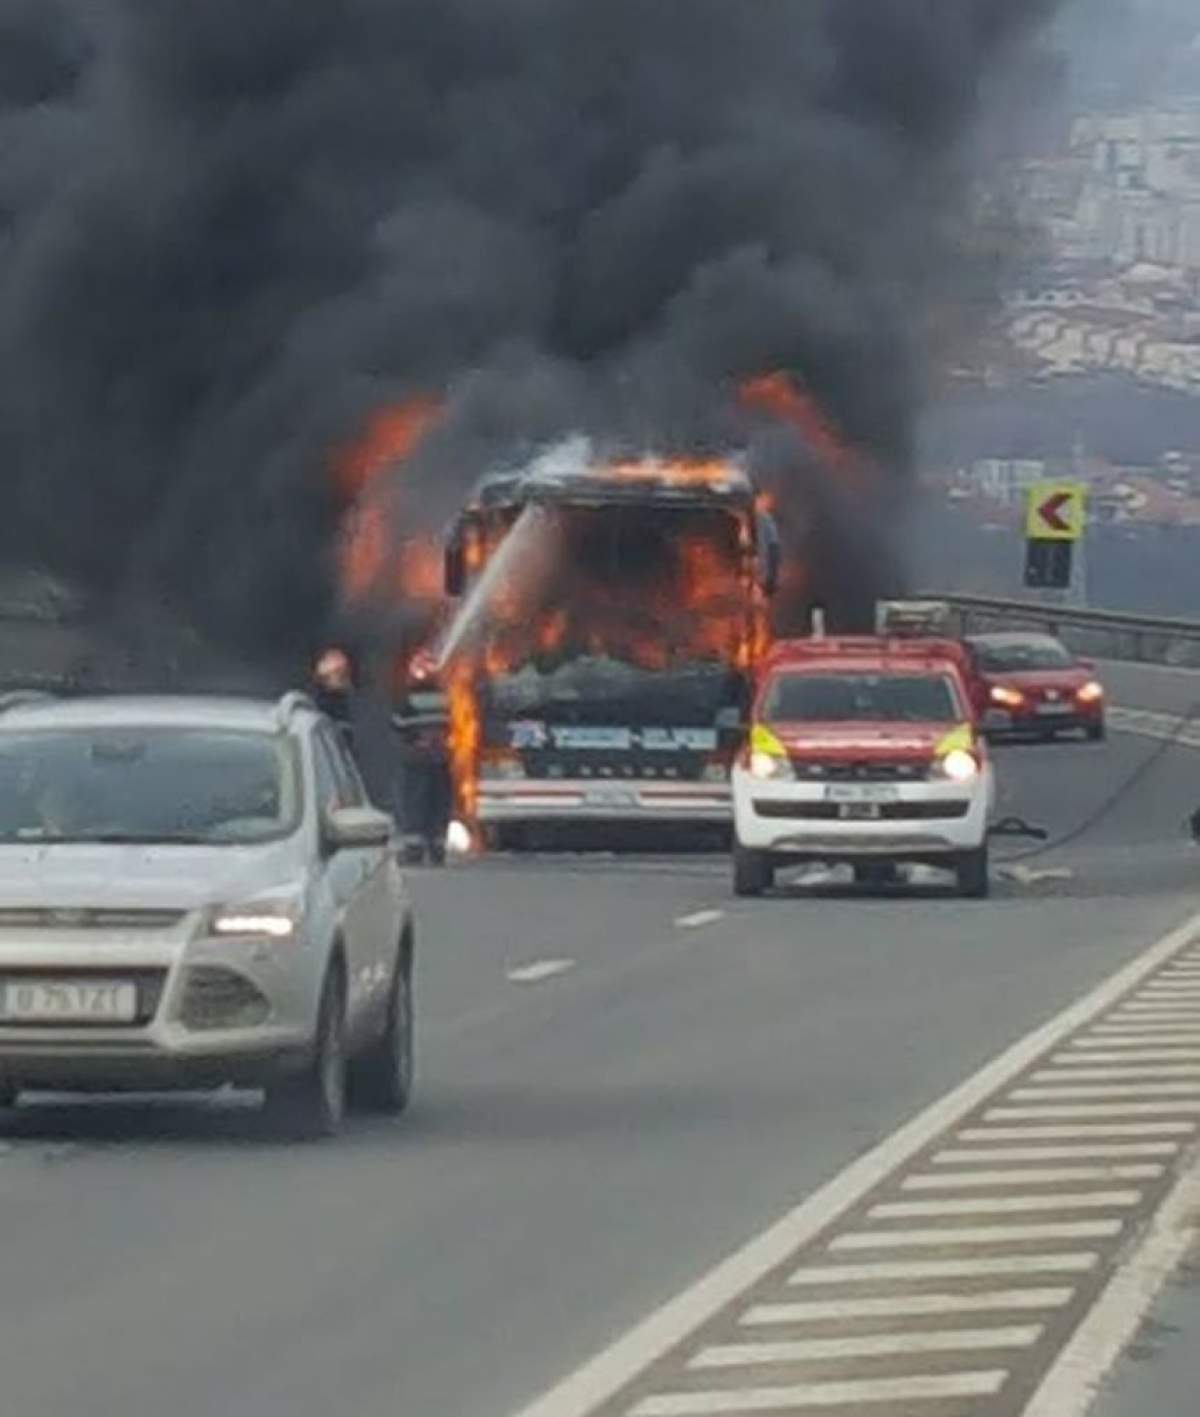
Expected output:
(312, 1104)
(974, 879)
(752, 871)
(382, 1080)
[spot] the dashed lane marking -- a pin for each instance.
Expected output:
(990, 1155)
(879, 1271)
(820, 1394)
(908, 1306)
(1015, 1200)
(540, 969)
(698, 919)
(870, 1345)
(1028, 1176)
(1148, 724)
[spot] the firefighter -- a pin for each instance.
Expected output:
(333, 688)
(427, 798)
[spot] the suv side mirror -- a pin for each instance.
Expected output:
(348, 828)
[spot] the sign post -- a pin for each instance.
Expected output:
(1055, 518)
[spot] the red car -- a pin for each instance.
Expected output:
(1032, 684)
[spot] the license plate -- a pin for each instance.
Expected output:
(859, 811)
(67, 1001)
(846, 792)
(1054, 710)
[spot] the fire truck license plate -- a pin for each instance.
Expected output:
(854, 792)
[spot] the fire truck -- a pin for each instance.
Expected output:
(610, 619)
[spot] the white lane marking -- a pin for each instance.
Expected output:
(827, 1394)
(1069, 1388)
(1182, 1045)
(869, 1345)
(1106, 1089)
(905, 1306)
(1143, 1034)
(1063, 1133)
(1006, 1205)
(1161, 1020)
(1030, 1175)
(1133, 1055)
(975, 1235)
(698, 919)
(1116, 1074)
(1032, 876)
(991, 1155)
(1078, 1262)
(612, 1369)
(1169, 991)
(539, 970)
(1090, 1109)
(1154, 1013)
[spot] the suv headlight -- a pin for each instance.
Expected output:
(959, 765)
(769, 767)
(275, 916)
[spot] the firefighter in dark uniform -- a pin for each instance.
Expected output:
(333, 689)
(422, 721)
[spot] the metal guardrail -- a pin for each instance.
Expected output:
(1103, 634)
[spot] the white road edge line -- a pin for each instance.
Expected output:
(1071, 1385)
(599, 1379)
(698, 919)
(539, 970)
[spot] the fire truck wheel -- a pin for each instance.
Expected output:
(752, 872)
(974, 881)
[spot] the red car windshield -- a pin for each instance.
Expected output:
(1025, 657)
(799, 697)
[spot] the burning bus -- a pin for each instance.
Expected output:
(609, 619)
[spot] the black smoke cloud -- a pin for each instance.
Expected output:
(229, 230)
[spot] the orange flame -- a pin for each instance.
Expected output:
(465, 736)
(391, 436)
(673, 473)
(781, 396)
(372, 559)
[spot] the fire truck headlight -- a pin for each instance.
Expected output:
(494, 768)
(768, 767)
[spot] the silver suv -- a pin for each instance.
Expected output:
(196, 892)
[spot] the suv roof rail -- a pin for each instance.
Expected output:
(19, 698)
(292, 703)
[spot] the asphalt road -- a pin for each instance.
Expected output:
(585, 1143)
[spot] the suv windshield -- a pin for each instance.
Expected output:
(147, 785)
(848, 698)
(1022, 657)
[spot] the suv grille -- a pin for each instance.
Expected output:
(88, 919)
(221, 998)
(880, 812)
(863, 771)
